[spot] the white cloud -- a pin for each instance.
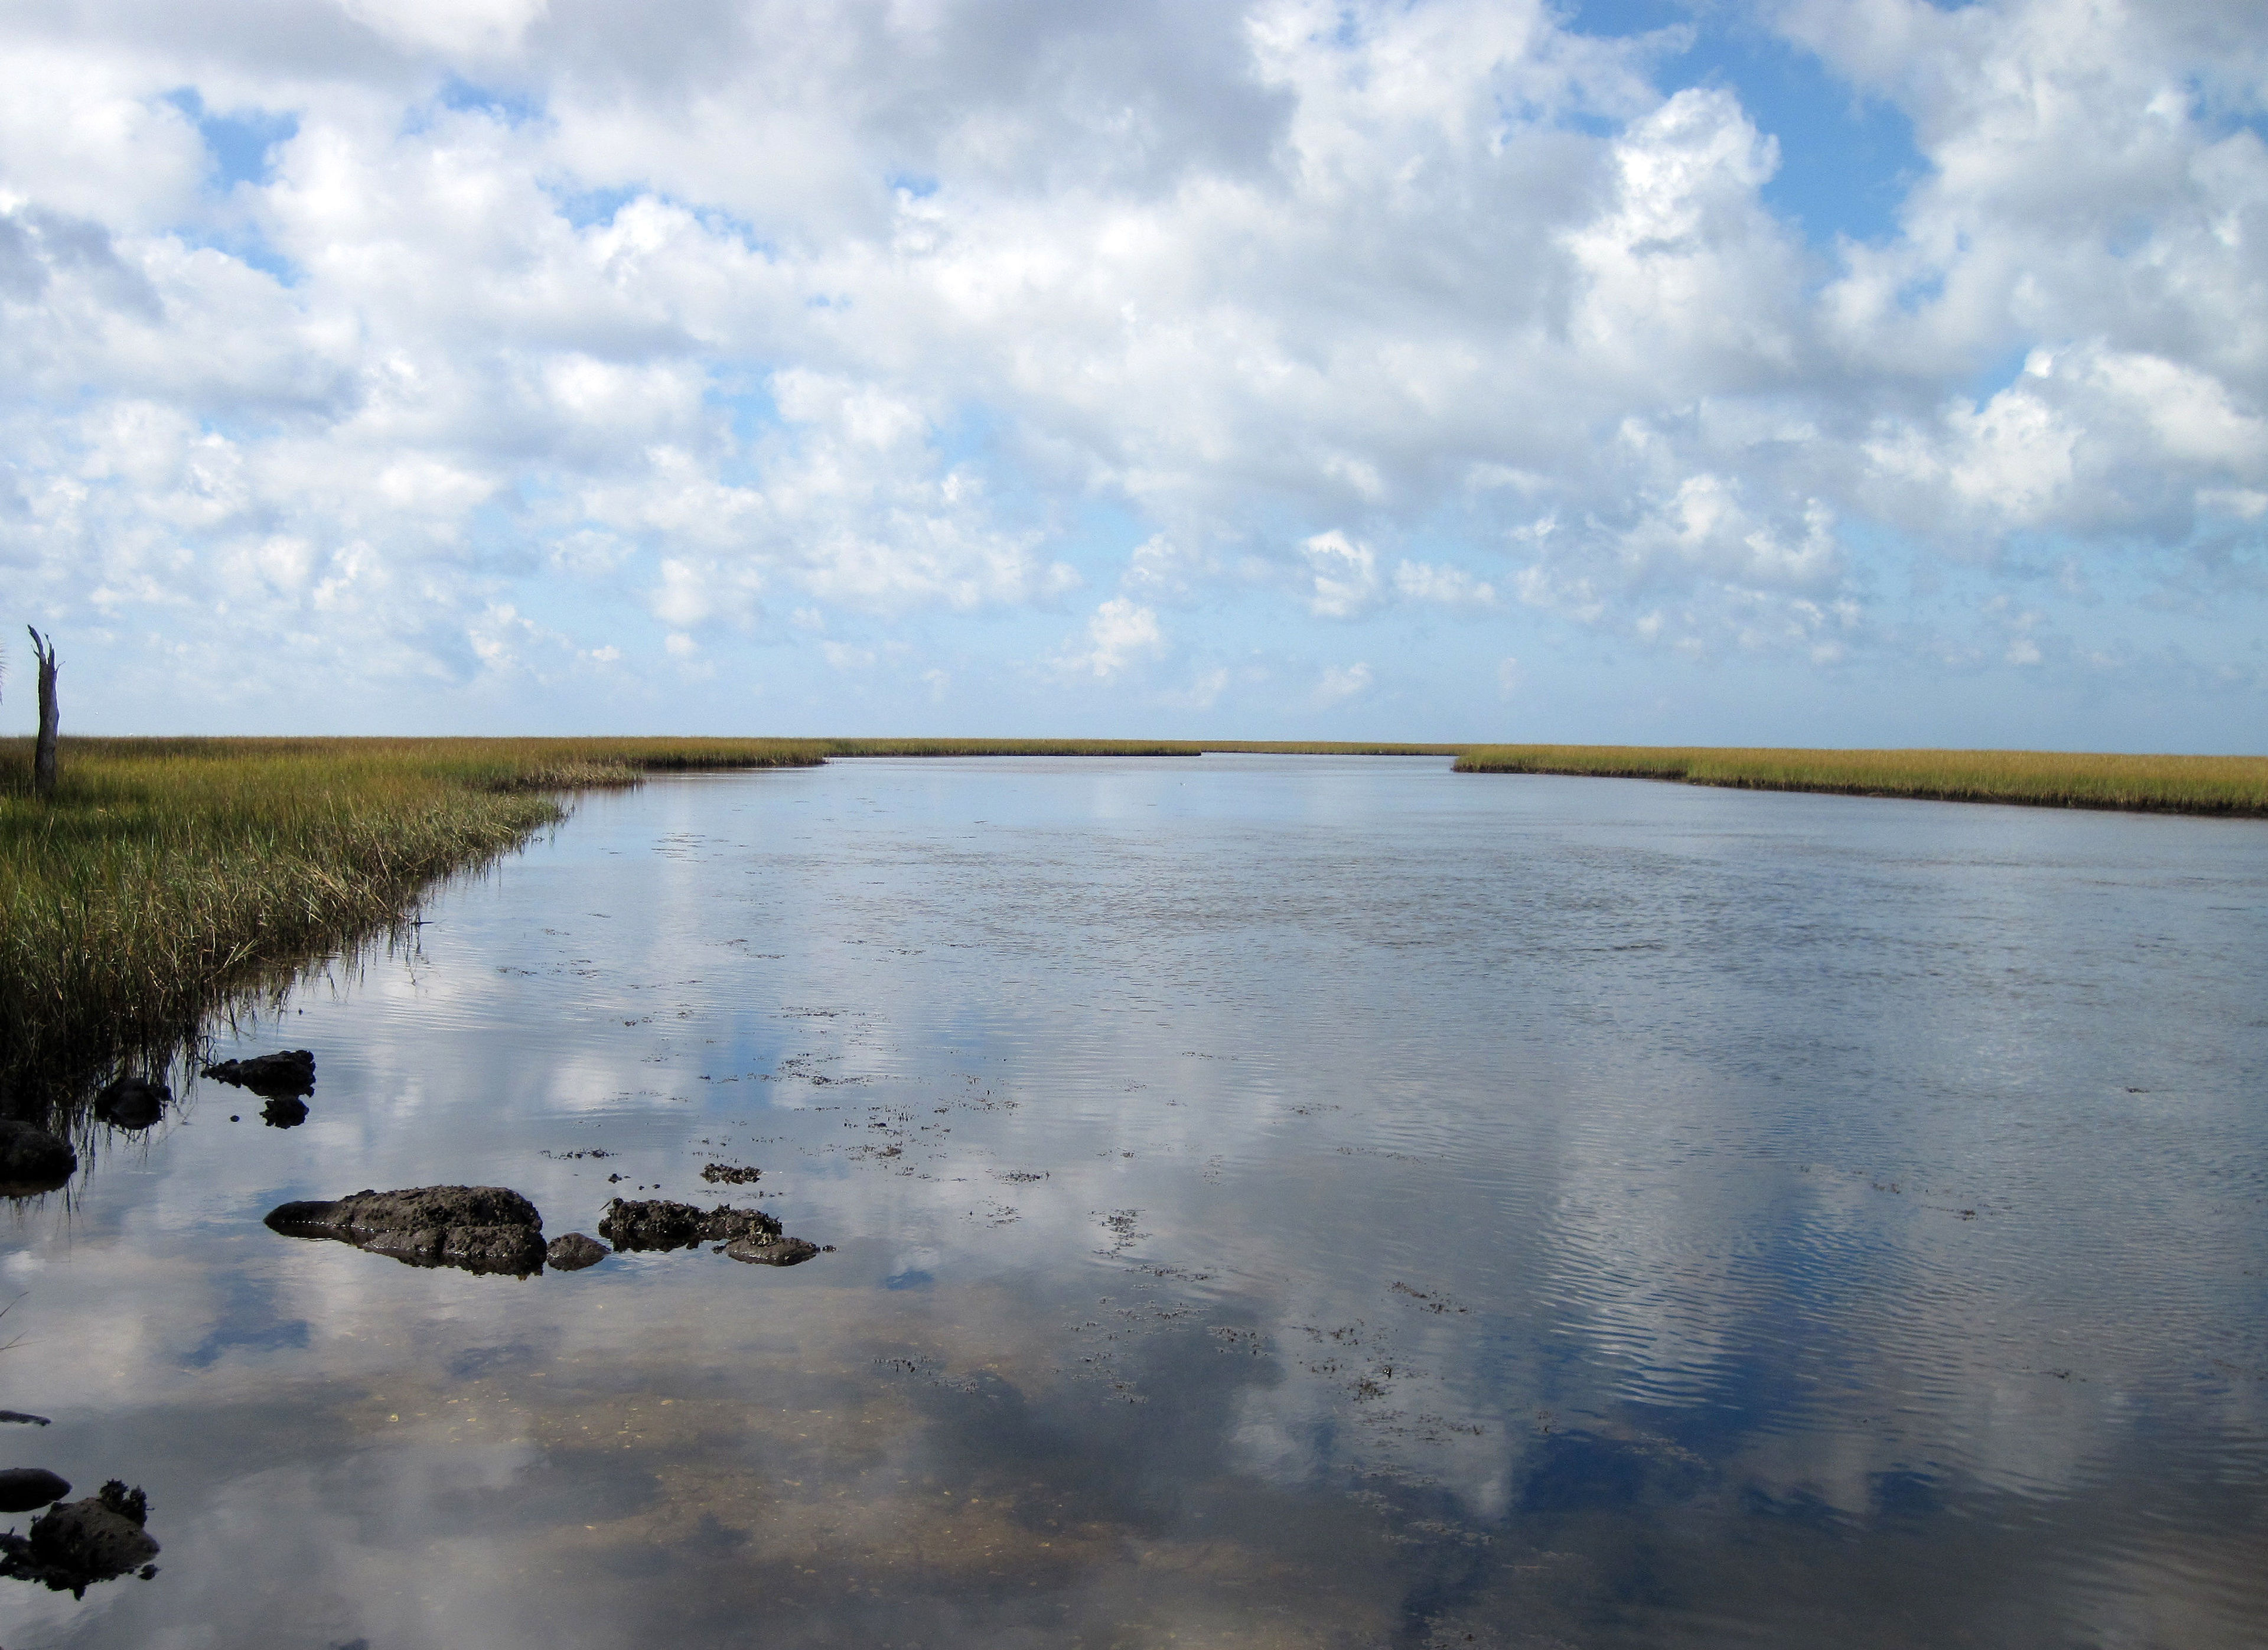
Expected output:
(1284, 291)
(468, 26)
(1673, 268)
(1119, 635)
(1343, 682)
(699, 593)
(853, 506)
(1342, 576)
(2086, 439)
(1451, 587)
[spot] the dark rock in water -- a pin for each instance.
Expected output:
(31, 1159)
(283, 1112)
(24, 1488)
(730, 1175)
(573, 1252)
(292, 1073)
(479, 1228)
(132, 1102)
(17, 1415)
(776, 1251)
(73, 1546)
(746, 1234)
(654, 1224)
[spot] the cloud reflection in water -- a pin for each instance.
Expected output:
(1321, 1203)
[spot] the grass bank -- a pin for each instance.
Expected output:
(167, 876)
(2174, 784)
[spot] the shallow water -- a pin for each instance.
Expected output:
(1276, 1201)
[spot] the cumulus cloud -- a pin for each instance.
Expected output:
(1118, 636)
(2087, 440)
(1341, 576)
(722, 312)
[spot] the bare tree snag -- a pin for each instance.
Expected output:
(43, 754)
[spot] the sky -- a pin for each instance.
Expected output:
(1803, 371)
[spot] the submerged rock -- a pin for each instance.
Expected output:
(73, 1546)
(24, 1488)
(29, 1420)
(573, 1252)
(292, 1073)
(31, 1159)
(479, 1228)
(132, 1102)
(776, 1251)
(656, 1224)
(284, 1111)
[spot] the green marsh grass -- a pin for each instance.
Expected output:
(169, 877)
(2179, 784)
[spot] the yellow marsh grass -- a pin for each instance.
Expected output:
(167, 875)
(2182, 784)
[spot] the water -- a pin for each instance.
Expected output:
(1276, 1201)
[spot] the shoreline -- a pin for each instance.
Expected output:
(2210, 787)
(169, 878)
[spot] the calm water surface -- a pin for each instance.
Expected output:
(1277, 1202)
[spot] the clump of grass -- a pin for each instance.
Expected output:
(167, 876)
(2180, 784)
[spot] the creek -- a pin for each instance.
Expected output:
(1274, 1201)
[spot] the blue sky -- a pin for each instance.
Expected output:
(1866, 372)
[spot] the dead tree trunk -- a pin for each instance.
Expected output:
(43, 754)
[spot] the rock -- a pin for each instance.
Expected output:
(573, 1252)
(25, 1488)
(29, 1420)
(776, 1251)
(654, 1224)
(80, 1542)
(730, 1175)
(283, 1112)
(292, 1073)
(479, 1228)
(31, 1159)
(132, 1102)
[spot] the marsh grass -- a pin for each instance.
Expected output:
(170, 878)
(2179, 784)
